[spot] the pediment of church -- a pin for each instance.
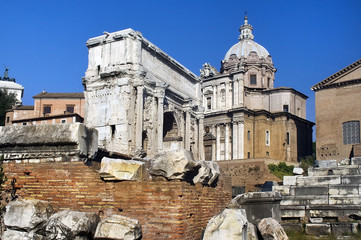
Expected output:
(348, 75)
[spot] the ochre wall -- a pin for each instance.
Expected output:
(165, 209)
(333, 107)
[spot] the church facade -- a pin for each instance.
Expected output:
(337, 116)
(245, 116)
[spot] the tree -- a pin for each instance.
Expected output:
(7, 101)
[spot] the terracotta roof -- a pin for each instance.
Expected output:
(335, 76)
(59, 95)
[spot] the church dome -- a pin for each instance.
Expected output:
(245, 50)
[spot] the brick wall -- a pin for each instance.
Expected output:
(165, 209)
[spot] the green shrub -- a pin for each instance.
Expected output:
(281, 169)
(307, 162)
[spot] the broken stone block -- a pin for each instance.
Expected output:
(298, 171)
(259, 205)
(27, 215)
(72, 225)
(207, 173)
(178, 164)
(118, 227)
(318, 229)
(251, 232)
(289, 180)
(271, 229)
(48, 141)
(19, 235)
(229, 224)
(119, 169)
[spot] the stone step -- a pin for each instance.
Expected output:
(340, 170)
(356, 161)
(344, 189)
(318, 180)
(309, 190)
(305, 200)
(344, 199)
(351, 179)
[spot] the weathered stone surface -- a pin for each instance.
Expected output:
(271, 229)
(318, 229)
(66, 225)
(118, 227)
(48, 141)
(259, 205)
(229, 224)
(344, 162)
(289, 180)
(207, 173)
(326, 163)
(120, 169)
(176, 164)
(356, 161)
(251, 232)
(318, 180)
(298, 171)
(313, 190)
(27, 215)
(19, 235)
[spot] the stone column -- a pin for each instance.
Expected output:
(160, 123)
(226, 143)
(139, 123)
(227, 95)
(218, 142)
(187, 137)
(240, 140)
(200, 139)
(235, 140)
(219, 95)
(214, 104)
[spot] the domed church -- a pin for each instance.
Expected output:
(245, 115)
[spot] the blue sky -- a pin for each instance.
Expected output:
(43, 42)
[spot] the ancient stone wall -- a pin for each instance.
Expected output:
(165, 209)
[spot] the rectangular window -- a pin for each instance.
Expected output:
(249, 135)
(288, 138)
(248, 155)
(209, 103)
(267, 138)
(351, 132)
(70, 108)
(47, 109)
(253, 79)
(7, 119)
(285, 108)
(63, 120)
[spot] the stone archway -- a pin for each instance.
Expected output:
(171, 136)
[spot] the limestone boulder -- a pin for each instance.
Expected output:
(251, 232)
(298, 171)
(207, 173)
(271, 229)
(20, 235)
(177, 164)
(118, 227)
(67, 225)
(120, 169)
(230, 224)
(27, 215)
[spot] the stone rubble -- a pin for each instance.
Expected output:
(207, 173)
(68, 224)
(229, 224)
(120, 169)
(270, 229)
(118, 227)
(174, 165)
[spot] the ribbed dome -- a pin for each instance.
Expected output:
(244, 47)
(246, 44)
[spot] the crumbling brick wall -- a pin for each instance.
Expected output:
(165, 209)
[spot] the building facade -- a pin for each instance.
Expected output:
(10, 86)
(245, 116)
(49, 108)
(141, 100)
(337, 115)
